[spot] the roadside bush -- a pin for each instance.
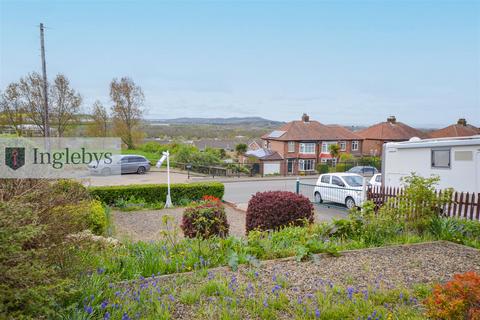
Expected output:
(205, 219)
(323, 168)
(275, 209)
(153, 193)
(457, 299)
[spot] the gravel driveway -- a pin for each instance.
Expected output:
(145, 225)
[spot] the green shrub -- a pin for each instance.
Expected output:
(418, 203)
(153, 193)
(323, 168)
(38, 268)
(205, 219)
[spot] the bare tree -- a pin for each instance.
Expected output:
(65, 104)
(12, 108)
(31, 91)
(99, 127)
(127, 109)
(64, 101)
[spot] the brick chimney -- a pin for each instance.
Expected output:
(305, 118)
(392, 119)
(462, 122)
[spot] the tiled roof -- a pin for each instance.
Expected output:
(264, 154)
(391, 130)
(456, 130)
(310, 130)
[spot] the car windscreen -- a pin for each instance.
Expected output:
(353, 181)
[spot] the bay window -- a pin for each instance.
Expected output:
(306, 165)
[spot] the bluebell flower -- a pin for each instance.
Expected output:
(100, 270)
(317, 313)
(265, 303)
(171, 298)
(125, 316)
(104, 304)
(88, 309)
(106, 316)
(350, 292)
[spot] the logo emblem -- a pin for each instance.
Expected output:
(15, 157)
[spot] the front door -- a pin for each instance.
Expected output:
(290, 166)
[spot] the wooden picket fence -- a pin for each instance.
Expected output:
(462, 204)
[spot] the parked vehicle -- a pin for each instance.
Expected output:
(364, 170)
(376, 180)
(344, 188)
(455, 160)
(120, 164)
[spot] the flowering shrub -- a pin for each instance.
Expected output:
(275, 209)
(205, 219)
(210, 198)
(457, 299)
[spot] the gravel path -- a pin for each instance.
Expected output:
(145, 225)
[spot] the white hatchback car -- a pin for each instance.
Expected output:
(344, 188)
(376, 180)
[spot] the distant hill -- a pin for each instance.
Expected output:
(255, 121)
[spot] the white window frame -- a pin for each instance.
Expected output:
(434, 165)
(326, 147)
(291, 146)
(302, 164)
(311, 147)
(343, 145)
(355, 145)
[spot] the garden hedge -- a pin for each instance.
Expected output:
(152, 193)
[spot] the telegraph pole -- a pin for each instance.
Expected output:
(46, 125)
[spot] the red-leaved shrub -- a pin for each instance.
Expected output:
(457, 299)
(205, 219)
(275, 209)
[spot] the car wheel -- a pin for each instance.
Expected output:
(350, 203)
(106, 171)
(318, 197)
(141, 170)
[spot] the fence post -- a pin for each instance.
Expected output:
(298, 186)
(364, 190)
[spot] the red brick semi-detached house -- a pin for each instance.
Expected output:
(302, 144)
(389, 131)
(460, 129)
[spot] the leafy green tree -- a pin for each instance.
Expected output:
(334, 150)
(241, 148)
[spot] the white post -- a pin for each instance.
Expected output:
(364, 190)
(168, 202)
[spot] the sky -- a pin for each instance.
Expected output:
(348, 62)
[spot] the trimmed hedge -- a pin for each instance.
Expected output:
(152, 193)
(272, 210)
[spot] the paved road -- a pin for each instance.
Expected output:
(241, 192)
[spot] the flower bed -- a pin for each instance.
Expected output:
(383, 283)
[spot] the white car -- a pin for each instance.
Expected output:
(376, 180)
(344, 188)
